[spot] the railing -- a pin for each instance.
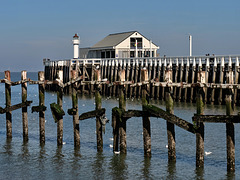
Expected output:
(229, 59)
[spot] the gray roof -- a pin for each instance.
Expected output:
(113, 39)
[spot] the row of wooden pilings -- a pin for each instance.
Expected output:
(184, 71)
(120, 115)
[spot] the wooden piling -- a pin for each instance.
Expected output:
(181, 68)
(170, 126)
(193, 77)
(175, 80)
(222, 69)
(230, 128)
(24, 109)
(200, 125)
(146, 119)
(76, 132)
(115, 126)
(8, 104)
(98, 103)
(185, 98)
(213, 80)
(41, 89)
(122, 107)
(60, 120)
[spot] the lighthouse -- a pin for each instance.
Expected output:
(76, 43)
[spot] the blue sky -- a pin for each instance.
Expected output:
(32, 30)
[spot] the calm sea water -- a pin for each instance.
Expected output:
(31, 161)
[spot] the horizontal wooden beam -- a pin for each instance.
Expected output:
(92, 114)
(158, 112)
(216, 118)
(14, 107)
(132, 113)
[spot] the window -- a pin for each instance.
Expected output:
(133, 43)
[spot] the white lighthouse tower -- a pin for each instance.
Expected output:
(76, 42)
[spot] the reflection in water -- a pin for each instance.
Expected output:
(146, 165)
(230, 176)
(98, 166)
(171, 170)
(199, 173)
(8, 146)
(58, 159)
(119, 167)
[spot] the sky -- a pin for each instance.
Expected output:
(31, 30)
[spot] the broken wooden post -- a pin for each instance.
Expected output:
(24, 109)
(76, 133)
(41, 89)
(8, 104)
(170, 126)
(146, 119)
(122, 107)
(115, 126)
(230, 126)
(98, 103)
(200, 125)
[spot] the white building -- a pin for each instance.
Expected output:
(121, 45)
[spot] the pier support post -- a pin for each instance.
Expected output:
(200, 125)
(170, 126)
(60, 120)
(122, 107)
(213, 80)
(8, 104)
(230, 127)
(98, 103)
(146, 119)
(41, 89)
(24, 109)
(115, 126)
(76, 133)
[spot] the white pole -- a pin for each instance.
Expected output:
(190, 45)
(136, 55)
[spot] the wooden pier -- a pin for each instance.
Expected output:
(120, 115)
(184, 72)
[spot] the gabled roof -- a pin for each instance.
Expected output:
(113, 39)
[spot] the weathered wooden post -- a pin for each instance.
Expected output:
(206, 79)
(213, 80)
(24, 109)
(60, 102)
(185, 98)
(98, 103)
(8, 104)
(236, 79)
(169, 109)
(193, 77)
(222, 67)
(122, 107)
(146, 119)
(181, 68)
(41, 89)
(76, 133)
(230, 126)
(175, 80)
(200, 125)
(164, 69)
